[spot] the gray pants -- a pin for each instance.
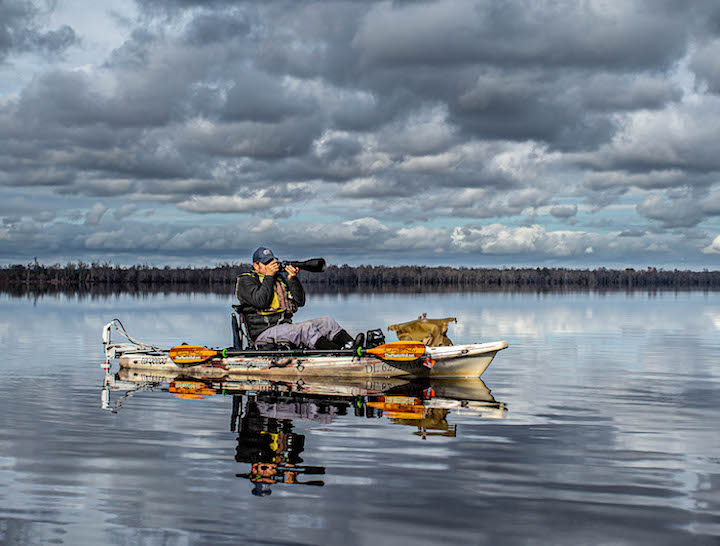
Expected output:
(302, 334)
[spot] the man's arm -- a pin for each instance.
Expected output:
(297, 291)
(255, 294)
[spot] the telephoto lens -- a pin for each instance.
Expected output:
(314, 265)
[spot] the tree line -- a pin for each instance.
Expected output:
(221, 278)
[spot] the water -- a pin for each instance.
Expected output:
(599, 425)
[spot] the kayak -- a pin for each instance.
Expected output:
(454, 361)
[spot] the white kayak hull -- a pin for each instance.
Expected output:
(454, 361)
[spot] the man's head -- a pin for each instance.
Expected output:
(264, 261)
(263, 256)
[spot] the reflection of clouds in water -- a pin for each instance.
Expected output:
(153, 318)
(611, 401)
(4, 332)
(714, 318)
(518, 317)
(175, 318)
(642, 333)
(608, 317)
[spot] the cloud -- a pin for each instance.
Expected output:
(671, 213)
(216, 27)
(266, 224)
(21, 30)
(439, 163)
(249, 139)
(601, 181)
(625, 35)
(677, 138)
(710, 205)
(564, 211)
(41, 176)
(706, 66)
(714, 247)
(420, 238)
(45, 216)
(632, 233)
(628, 92)
(499, 239)
(260, 97)
(99, 187)
(124, 211)
(95, 214)
(363, 240)
(365, 227)
(424, 132)
(370, 187)
(227, 204)
(364, 127)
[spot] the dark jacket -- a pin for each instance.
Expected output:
(255, 296)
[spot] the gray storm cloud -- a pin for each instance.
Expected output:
(95, 214)
(377, 131)
(21, 30)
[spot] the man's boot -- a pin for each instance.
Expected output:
(358, 342)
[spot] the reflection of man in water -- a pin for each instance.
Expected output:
(265, 474)
(273, 450)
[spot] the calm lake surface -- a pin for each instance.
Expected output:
(599, 425)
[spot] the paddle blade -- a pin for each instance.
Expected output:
(191, 354)
(399, 350)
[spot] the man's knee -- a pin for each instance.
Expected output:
(326, 321)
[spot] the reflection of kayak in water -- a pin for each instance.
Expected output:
(264, 412)
(318, 398)
(128, 378)
(469, 360)
(465, 390)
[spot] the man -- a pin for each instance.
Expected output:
(269, 298)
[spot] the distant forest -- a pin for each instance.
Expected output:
(95, 277)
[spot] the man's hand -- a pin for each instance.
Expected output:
(291, 271)
(272, 268)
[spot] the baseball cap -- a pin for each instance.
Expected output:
(263, 255)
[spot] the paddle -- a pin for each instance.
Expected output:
(400, 351)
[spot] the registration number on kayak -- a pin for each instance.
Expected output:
(149, 360)
(382, 367)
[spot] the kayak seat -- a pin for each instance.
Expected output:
(242, 339)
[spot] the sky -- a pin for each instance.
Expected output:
(477, 133)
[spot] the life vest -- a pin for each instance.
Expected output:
(282, 302)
